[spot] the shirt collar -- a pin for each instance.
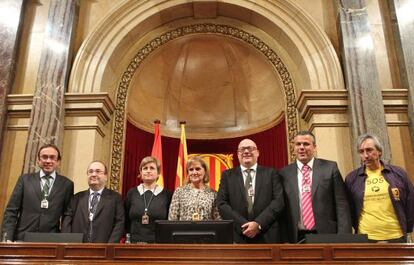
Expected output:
(310, 163)
(42, 174)
(156, 191)
(254, 167)
(362, 170)
(385, 167)
(99, 191)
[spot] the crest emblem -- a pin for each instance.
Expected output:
(396, 193)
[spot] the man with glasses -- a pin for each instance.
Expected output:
(315, 193)
(97, 212)
(39, 199)
(251, 196)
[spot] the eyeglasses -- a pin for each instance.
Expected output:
(248, 148)
(46, 157)
(97, 171)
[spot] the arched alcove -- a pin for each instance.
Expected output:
(299, 52)
(221, 86)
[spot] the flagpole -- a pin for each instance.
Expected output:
(157, 150)
(182, 158)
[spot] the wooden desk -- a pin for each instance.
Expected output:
(52, 253)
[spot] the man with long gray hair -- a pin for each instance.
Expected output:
(381, 195)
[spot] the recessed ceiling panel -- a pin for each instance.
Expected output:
(222, 87)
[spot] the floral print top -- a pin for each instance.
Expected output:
(188, 201)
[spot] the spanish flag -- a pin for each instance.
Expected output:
(182, 158)
(157, 150)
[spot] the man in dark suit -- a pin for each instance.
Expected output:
(314, 192)
(252, 196)
(38, 199)
(97, 212)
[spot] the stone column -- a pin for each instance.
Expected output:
(361, 76)
(11, 17)
(402, 18)
(47, 115)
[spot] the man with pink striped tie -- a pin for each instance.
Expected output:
(315, 193)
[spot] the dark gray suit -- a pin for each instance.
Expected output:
(108, 222)
(330, 205)
(23, 212)
(268, 203)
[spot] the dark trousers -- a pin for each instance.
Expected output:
(302, 233)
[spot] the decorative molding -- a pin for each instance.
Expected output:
(96, 104)
(395, 100)
(76, 105)
(396, 107)
(19, 106)
(85, 127)
(154, 44)
(312, 103)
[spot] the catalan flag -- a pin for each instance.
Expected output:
(182, 158)
(157, 150)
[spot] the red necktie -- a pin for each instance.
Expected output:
(307, 211)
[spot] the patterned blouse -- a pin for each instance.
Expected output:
(188, 200)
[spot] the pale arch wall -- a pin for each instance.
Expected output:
(289, 31)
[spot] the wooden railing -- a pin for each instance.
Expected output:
(60, 253)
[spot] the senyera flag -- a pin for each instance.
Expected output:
(182, 158)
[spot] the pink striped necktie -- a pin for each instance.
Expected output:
(307, 211)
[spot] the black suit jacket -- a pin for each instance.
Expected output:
(329, 201)
(108, 221)
(23, 212)
(268, 203)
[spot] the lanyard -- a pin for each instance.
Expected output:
(146, 206)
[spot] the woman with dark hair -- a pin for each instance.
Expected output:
(195, 200)
(146, 203)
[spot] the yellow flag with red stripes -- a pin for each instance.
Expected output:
(182, 158)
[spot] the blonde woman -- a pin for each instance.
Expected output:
(195, 200)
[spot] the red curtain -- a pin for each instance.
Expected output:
(271, 143)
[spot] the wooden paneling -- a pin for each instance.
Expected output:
(47, 253)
